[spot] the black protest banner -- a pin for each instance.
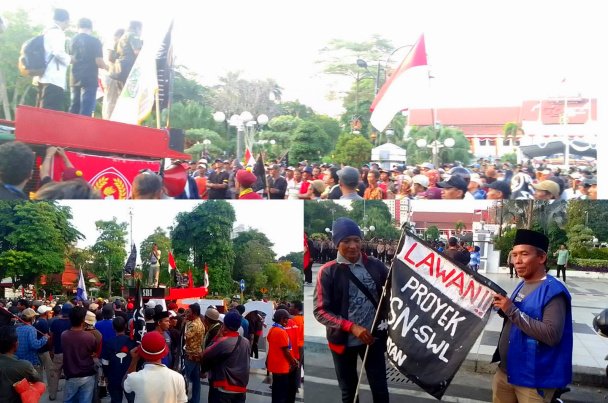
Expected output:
(437, 309)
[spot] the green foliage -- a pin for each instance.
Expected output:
(19, 89)
(590, 253)
(509, 157)
(589, 264)
(591, 213)
(432, 233)
(195, 146)
(283, 282)
(329, 125)
(253, 251)
(460, 152)
(191, 115)
(374, 213)
(109, 251)
(295, 258)
(186, 88)
(511, 129)
(284, 123)
(353, 150)
(295, 108)
(318, 216)
(34, 239)
(504, 244)
(203, 236)
(309, 142)
(580, 236)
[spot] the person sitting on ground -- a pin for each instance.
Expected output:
(12, 369)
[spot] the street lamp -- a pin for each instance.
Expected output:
(435, 146)
(245, 127)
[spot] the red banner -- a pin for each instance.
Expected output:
(112, 176)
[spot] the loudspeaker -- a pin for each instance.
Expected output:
(176, 140)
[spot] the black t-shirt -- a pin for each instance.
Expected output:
(218, 178)
(278, 183)
(84, 49)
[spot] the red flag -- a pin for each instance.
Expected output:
(206, 281)
(171, 260)
(403, 87)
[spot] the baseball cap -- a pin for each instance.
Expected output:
(44, 309)
(280, 314)
(502, 187)
(427, 165)
(422, 180)
(349, 176)
(454, 181)
(29, 313)
(548, 186)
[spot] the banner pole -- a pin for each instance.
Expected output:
(384, 292)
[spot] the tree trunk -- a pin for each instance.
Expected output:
(4, 98)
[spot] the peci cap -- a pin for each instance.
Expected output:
(232, 320)
(153, 346)
(533, 238)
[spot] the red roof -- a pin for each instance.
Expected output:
(443, 221)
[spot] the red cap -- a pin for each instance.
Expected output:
(153, 347)
(71, 173)
(130, 306)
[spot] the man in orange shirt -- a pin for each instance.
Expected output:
(280, 360)
(373, 191)
(297, 309)
(201, 181)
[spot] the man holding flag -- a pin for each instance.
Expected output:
(346, 297)
(81, 291)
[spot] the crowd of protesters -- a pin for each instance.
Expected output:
(228, 179)
(96, 348)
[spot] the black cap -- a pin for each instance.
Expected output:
(502, 187)
(455, 181)
(533, 238)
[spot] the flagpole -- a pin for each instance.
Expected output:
(384, 292)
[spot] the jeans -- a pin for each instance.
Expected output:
(375, 369)
(284, 387)
(83, 100)
(193, 374)
(79, 390)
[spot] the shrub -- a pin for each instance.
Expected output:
(600, 265)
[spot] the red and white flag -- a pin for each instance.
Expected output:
(206, 279)
(172, 265)
(403, 88)
(248, 160)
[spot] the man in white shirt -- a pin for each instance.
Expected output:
(52, 84)
(155, 382)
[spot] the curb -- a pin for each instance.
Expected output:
(481, 363)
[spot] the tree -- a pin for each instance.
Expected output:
(109, 251)
(201, 237)
(252, 251)
(318, 216)
(431, 233)
(580, 236)
(309, 142)
(296, 109)
(195, 147)
(296, 259)
(162, 241)
(15, 89)
(353, 150)
(459, 152)
(374, 213)
(459, 226)
(34, 239)
(512, 130)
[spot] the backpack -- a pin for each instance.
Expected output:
(32, 60)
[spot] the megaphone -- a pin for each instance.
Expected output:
(175, 179)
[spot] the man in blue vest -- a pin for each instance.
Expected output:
(535, 346)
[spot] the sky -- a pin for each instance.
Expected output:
(481, 53)
(283, 226)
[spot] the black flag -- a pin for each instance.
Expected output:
(139, 319)
(437, 309)
(130, 264)
(164, 69)
(260, 172)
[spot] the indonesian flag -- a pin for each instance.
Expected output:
(248, 160)
(404, 87)
(172, 265)
(206, 279)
